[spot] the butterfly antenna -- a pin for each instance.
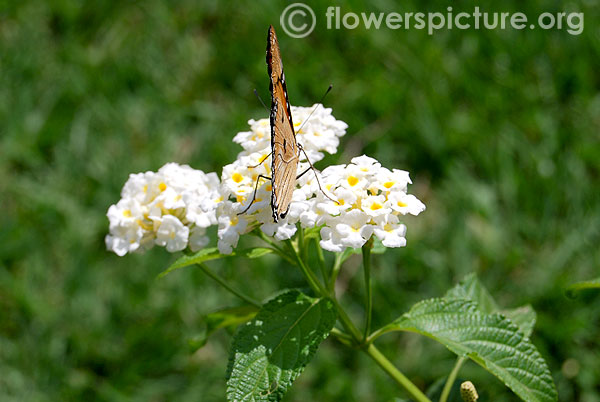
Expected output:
(260, 99)
(316, 107)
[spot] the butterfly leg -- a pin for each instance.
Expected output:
(315, 171)
(254, 194)
(261, 161)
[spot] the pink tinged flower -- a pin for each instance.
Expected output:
(172, 234)
(390, 231)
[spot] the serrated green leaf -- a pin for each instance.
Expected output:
(471, 288)
(229, 317)
(208, 254)
(271, 351)
(490, 340)
(524, 317)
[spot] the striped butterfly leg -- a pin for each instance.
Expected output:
(260, 176)
(315, 172)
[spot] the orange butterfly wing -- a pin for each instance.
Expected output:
(283, 138)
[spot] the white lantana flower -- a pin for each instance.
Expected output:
(172, 234)
(370, 199)
(390, 231)
(164, 208)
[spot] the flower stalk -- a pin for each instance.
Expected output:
(366, 254)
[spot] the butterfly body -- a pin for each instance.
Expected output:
(284, 148)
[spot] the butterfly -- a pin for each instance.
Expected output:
(284, 147)
(285, 150)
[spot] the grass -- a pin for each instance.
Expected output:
(499, 130)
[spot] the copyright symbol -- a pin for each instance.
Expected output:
(298, 20)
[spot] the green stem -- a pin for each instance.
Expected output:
(389, 368)
(337, 264)
(342, 337)
(308, 274)
(355, 338)
(346, 321)
(366, 254)
(280, 251)
(302, 251)
(321, 259)
(223, 283)
(321, 290)
(451, 379)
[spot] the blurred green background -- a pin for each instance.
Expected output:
(500, 130)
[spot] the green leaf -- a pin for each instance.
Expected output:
(591, 284)
(271, 351)
(524, 317)
(471, 288)
(226, 318)
(208, 254)
(490, 340)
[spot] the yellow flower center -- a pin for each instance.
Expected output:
(388, 184)
(127, 213)
(402, 204)
(162, 186)
(144, 225)
(352, 180)
(375, 206)
(236, 177)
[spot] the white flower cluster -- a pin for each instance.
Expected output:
(370, 198)
(174, 206)
(170, 208)
(321, 132)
